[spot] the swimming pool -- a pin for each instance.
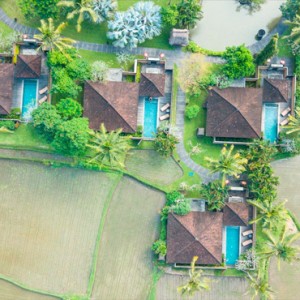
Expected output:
(150, 118)
(29, 97)
(232, 244)
(270, 122)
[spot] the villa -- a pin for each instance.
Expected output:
(249, 113)
(217, 238)
(129, 105)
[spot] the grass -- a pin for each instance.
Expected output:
(5, 29)
(24, 137)
(230, 272)
(284, 50)
(55, 224)
(124, 267)
(92, 56)
(94, 33)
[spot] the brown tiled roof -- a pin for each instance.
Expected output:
(198, 233)
(236, 214)
(234, 112)
(276, 90)
(28, 66)
(152, 85)
(113, 103)
(6, 87)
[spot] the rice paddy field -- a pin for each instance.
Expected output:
(286, 281)
(147, 165)
(124, 267)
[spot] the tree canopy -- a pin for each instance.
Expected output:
(69, 109)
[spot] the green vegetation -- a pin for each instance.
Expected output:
(69, 109)
(192, 111)
(165, 143)
(269, 51)
(92, 56)
(194, 48)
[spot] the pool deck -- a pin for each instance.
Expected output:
(162, 100)
(18, 85)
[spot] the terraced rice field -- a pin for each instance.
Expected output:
(124, 268)
(49, 223)
(225, 288)
(150, 166)
(286, 281)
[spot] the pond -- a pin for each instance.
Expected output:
(227, 23)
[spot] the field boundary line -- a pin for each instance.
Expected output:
(27, 288)
(99, 235)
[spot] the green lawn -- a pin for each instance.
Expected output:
(284, 49)
(5, 29)
(24, 137)
(93, 33)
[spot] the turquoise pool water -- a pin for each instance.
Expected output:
(29, 97)
(150, 118)
(232, 244)
(270, 122)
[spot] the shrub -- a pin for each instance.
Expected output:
(189, 12)
(104, 9)
(160, 247)
(99, 71)
(269, 51)
(239, 62)
(172, 196)
(69, 109)
(192, 111)
(165, 143)
(10, 125)
(182, 207)
(163, 230)
(194, 48)
(290, 8)
(15, 113)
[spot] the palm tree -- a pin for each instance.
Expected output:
(281, 247)
(82, 8)
(259, 286)
(294, 122)
(110, 147)
(195, 282)
(189, 12)
(50, 36)
(228, 164)
(269, 214)
(295, 32)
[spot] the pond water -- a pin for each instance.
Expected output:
(226, 23)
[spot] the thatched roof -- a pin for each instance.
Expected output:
(113, 103)
(6, 87)
(276, 90)
(234, 113)
(28, 66)
(196, 234)
(179, 37)
(152, 85)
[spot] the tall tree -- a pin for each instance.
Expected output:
(189, 12)
(281, 247)
(295, 32)
(294, 122)
(50, 36)
(82, 8)
(269, 213)
(228, 164)
(110, 148)
(165, 143)
(195, 283)
(41, 9)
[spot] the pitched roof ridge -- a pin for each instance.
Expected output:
(236, 110)
(227, 204)
(110, 106)
(143, 74)
(276, 88)
(22, 56)
(195, 239)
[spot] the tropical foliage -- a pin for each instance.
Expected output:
(69, 109)
(7, 41)
(195, 283)
(110, 148)
(290, 8)
(41, 9)
(270, 214)
(294, 36)
(228, 164)
(189, 12)
(50, 36)
(82, 8)
(104, 9)
(239, 62)
(165, 143)
(215, 194)
(71, 136)
(281, 247)
(138, 23)
(192, 111)
(269, 51)
(294, 123)
(160, 247)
